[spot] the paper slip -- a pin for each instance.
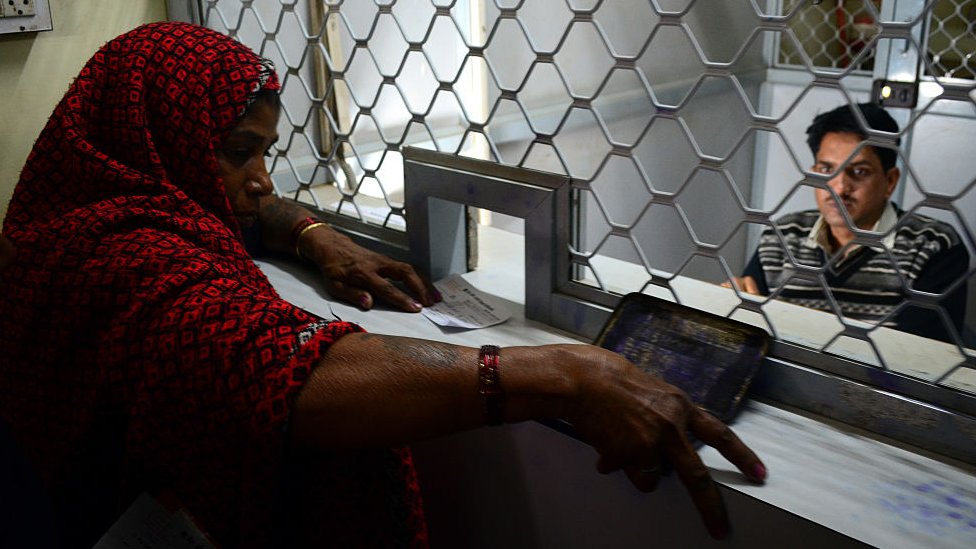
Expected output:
(464, 306)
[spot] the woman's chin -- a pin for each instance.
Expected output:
(246, 221)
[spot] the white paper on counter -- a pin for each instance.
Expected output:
(464, 306)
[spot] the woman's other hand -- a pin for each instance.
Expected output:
(636, 421)
(352, 273)
(360, 276)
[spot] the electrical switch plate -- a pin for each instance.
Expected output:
(890, 93)
(19, 8)
(25, 16)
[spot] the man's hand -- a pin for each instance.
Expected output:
(745, 284)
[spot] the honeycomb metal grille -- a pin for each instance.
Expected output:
(836, 35)
(596, 90)
(952, 39)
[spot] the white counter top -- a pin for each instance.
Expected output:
(829, 474)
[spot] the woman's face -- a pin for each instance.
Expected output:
(242, 160)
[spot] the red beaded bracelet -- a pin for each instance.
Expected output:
(489, 384)
(300, 229)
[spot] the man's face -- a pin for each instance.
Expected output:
(863, 186)
(242, 161)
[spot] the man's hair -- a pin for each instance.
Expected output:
(843, 120)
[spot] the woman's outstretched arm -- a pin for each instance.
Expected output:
(377, 390)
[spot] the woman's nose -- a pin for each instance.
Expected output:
(259, 182)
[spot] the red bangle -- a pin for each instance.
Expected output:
(299, 229)
(489, 384)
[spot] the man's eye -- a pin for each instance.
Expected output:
(822, 169)
(859, 173)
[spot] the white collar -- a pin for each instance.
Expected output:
(817, 237)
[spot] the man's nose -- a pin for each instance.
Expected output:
(839, 184)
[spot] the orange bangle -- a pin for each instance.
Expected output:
(489, 384)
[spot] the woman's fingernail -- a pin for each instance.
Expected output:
(759, 471)
(416, 306)
(364, 301)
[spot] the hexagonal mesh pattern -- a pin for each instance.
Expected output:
(952, 39)
(833, 34)
(680, 146)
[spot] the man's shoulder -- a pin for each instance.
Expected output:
(914, 226)
(800, 222)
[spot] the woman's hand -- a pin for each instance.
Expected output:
(636, 422)
(360, 276)
(352, 273)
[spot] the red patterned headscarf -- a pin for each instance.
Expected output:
(142, 349)
(145, 117)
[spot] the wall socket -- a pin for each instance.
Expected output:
(19, 8)
(25, 16)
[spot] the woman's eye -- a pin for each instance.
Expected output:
(238, 156)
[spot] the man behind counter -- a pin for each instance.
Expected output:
(864, 280)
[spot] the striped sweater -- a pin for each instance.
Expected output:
(870, 282)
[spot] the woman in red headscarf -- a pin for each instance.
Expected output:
(143, 351)
(146, 348)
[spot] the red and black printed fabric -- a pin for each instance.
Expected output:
(140, 347)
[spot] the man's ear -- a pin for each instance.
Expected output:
(893, 175)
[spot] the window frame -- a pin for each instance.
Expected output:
(794, 376)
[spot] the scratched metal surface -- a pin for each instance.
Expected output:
(856, 483)
(710, 357)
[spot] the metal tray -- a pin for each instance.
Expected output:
(710, 357)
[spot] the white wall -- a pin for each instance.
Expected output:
(36, 69)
